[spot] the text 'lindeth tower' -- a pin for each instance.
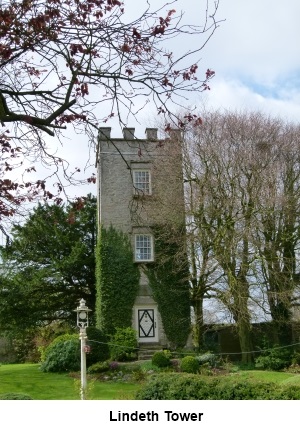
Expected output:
(142, 266)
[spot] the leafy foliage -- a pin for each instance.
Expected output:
(160, 359)
(98, 343)
(100, 367)
(207, 358)
(194, 387)
(189, 364)
(123, 344)
(168, 277)
(275, 358)
(49, 265)
(117, 280)
(62, 355)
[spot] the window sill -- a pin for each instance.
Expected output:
(142, 196)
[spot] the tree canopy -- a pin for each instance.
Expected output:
(242, 175)
(80, 63)
(49, 265)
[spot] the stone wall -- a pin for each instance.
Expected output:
(121, 206)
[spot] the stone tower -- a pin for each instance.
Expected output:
(140, 185)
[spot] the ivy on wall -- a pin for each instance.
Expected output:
(169, 280)
(117, 280)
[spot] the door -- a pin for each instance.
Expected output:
(147, 325)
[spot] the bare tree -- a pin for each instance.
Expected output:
(228, 182)
(278, 235)
(82, 63)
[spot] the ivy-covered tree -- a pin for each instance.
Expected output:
(49, 265)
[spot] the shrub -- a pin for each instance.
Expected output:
(195, 387)
(62, 355)
(114, 365)
(296, 358)
(44, 351)
(274, 359)
(123, 345)
(175, 363)
(15, 396)
(207, 358)
(98, 343)
(161, 359)
(99, 367)
(45, 335)
(149, 367)
(139, 375)
(189, 364)
(294, 368)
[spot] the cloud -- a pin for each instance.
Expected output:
(230, 94)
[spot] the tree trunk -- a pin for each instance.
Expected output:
(245, 338)
(198, 328)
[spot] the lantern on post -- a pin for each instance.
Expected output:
(83, 322)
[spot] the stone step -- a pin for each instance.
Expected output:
(146, 351)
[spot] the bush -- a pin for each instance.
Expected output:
(99, 367)
(296, 358)
(274, 359)
(45, 335)
(195, 387)
(44, 351)
(123, 345)
(62, 355)
(189, 364)
(161, 359)
(98, 343)
(208, 357)
(15, 396)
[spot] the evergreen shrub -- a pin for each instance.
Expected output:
(275, 358)
(208, 357)
(62, 355)
(100, 367)
(195, 387)
(98, 343)
(161, 359)
(189, 364)
(123, 344)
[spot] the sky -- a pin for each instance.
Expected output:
(254, 52)
(256, 55)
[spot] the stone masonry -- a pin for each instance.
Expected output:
(127, 208)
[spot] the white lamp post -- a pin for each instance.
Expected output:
(83, 322)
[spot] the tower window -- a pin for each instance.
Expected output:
(142, 181)
(143, 247)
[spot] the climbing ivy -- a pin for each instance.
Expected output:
(117, 280)
(168, 277)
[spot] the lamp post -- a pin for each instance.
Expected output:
(83, 322)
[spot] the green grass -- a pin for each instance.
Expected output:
(28, 379)
(277, 377)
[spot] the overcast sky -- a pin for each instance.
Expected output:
(254, 53)
(256, 56)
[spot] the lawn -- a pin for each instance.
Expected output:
(28, 379)
(269, 376)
